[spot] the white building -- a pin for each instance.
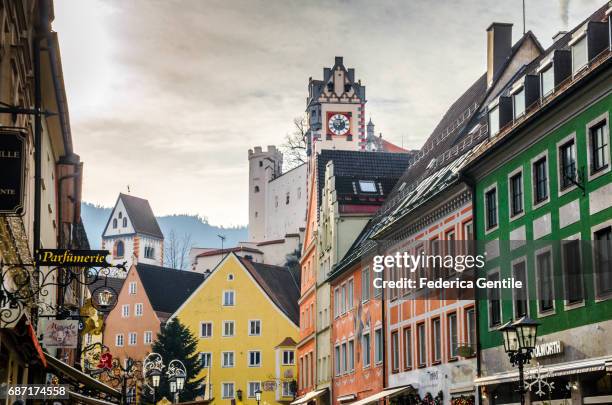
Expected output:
(132, 233)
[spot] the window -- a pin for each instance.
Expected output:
(603, 261)
(518, 102)
(254, 358)
(545, 281)
(149, 252)
(470, 323)
(119, 340)
(437, 337)
(287, 199)
(261, 163)
(287, 391)
(366, 349)
(228, 298)
(349, 295)
(378, 346)
(453, 339)
(422, 344)
(494, 303)
(138, 309)
(547, 81)
(494, 121)
(365, 284)
(579, 54)
(572, 270)
(254, 386)
(343, 298)
(567, 164)
(114, 223)
(227, 359)
(254, 327)
(132, 288)
(228, 328)
(520, 294)
(516, 194)
(148, 337)
(120, 249)
(468, 231)
(540, 180)
(367, 186)
(120, 214)
(257, 189)
(491, 204)
(125, 310)
(337, 302)
(598, 139)
(407, 348)
(351, 355)
(227, 390)
(343, 357)
(132, 338)
(394, 351)
(288, 357)
(206, 329)
(125, 222)
(336, 360)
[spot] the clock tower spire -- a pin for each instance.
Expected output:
(335, 110)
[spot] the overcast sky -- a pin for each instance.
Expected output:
(168, 96)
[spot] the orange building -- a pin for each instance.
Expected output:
(149, 295)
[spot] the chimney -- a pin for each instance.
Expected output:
(558, 35)
(499, 46)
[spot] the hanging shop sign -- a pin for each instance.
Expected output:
(12, 167)
(59, 333)
(67, 257)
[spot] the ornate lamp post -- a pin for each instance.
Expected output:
(258, 396)
(153, 366)
(177, 374)
(519, 342)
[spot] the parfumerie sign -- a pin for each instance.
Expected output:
(65, 257)
(12, 167)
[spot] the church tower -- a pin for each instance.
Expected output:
(263, 167)
(335, 110)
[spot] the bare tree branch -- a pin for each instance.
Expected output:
(177, 250)
(294, 148)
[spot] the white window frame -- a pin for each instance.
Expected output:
(489, 307)
(452, 353)
(365, 287)
(546, 66)
(118, 337)
(514, 92)
(365, 349)
(493, 106)
(135, 336)
(132, 288)
(251, 321)
(484, 198)
(522, 259)
(137, 306)
(518, 170)
(144, 337)
(251, 365)
(223, 364)
(233, 295)
(210, 359)
(562, 142)
(286, 389)
(566, 305)
(594, 122)
(125, 310)
(595, 229)
(252, 394)
(537, 253)
(211, 329)
(382, 343)
(534, 205)
(579, 36)
(228, 383)
(223, 330)
(292, 362)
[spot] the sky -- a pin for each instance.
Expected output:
(166, 97)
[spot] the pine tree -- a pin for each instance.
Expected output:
(175, 341)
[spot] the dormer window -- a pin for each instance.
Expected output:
(120, 214)
(125, 222)
(518, 102)
(367, 186)
(579, 51)
(494, 120)
(547, 80)
(114, 223)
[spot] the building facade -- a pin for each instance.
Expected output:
(245, 315)
(544, 216)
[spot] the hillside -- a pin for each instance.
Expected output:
(202, 233)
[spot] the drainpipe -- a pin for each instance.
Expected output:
(471, 183)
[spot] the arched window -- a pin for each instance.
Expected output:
(125, 222)
(120, 214)
(114, 223)
(119, 249)
(257, 189)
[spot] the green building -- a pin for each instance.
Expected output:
(543, 209)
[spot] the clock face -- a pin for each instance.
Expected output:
(338, 124)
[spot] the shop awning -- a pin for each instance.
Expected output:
(82, 399)
(553, 370)
(78, 377)
(389, 392)
(308, 397)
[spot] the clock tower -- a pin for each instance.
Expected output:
(336, 110)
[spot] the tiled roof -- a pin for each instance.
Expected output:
(141, 215)
(280, 284)
(352, 166)
(287, 342)
(167, 288)
(229, 250)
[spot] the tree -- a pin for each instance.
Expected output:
(175, 341)
(176, 251)
(294, 148)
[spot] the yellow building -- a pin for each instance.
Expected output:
(245, 315)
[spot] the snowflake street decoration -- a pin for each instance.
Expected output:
(539, 381)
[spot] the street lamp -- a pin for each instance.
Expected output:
(519, 342)
(155, 376)
(180, 379)
(258, 395)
